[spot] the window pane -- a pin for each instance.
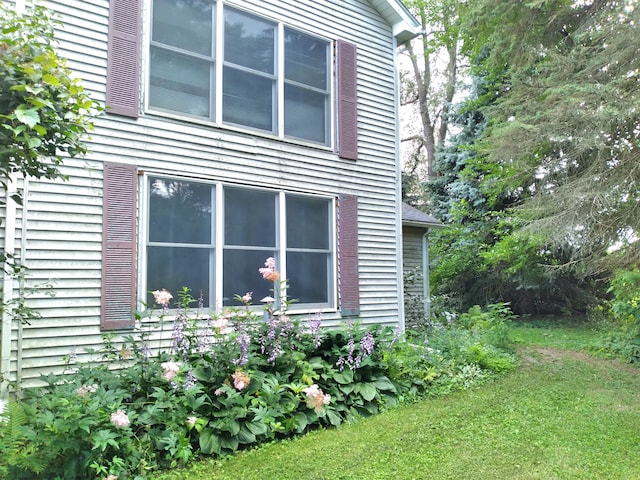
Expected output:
(241, 275)
(249, 41)
(179, 212)
(307, 222)
(305, 114)
(308, 277)
(250, 218)
(185, 24)
(305, 59)
(247, 99)
(173, 268)
(179, 83)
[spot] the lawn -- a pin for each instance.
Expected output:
(561, 415)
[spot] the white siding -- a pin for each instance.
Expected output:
(64, 228)
(412, 267)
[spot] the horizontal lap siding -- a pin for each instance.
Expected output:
(65, 218)
(412, 255)
(63, 252)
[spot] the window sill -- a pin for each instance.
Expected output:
(223, 127)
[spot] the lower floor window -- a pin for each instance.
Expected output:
(213, 238)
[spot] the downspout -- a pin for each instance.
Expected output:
(426, 287)
(7, 280)
(399, 269)
(23, 260)
(7, 288)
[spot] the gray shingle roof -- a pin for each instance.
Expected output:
(414, 217)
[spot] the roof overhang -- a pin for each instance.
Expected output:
(422, 224)
(405, 25)
(412, 217)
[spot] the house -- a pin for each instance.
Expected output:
(235, 131)
(415, 263)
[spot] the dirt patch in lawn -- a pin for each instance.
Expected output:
(534, 354)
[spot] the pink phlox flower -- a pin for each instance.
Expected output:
(191, 420)
(84, 390)
(268, 300)
(111, 477)
(269, 271)
(170, 369)
(247, 297)
(240, 380)
(316, 399)
(218, 391)
(220, 324)
(162, 297)
(120, 419)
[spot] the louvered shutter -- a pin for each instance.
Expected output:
(347, 100)
(118, 246)
(348, 278)
(123, 57)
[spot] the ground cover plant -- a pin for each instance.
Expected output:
(562, 414)
(232, 380)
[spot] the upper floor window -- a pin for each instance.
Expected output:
(270, 77)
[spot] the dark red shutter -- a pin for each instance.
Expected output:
(348, 278)
(119, 246)
(347, 73)
(123, 57)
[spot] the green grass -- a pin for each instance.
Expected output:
(561, 415)
(569, 335)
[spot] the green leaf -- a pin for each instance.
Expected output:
(231, 426)
(245, 436)
(28, 116)
(209, 442)
(334, 418)
(302, 422)
(50, 79)
(348, 388)
(367, 390)
(33, 142)
(383, 383)
(258, 428)
(346, 376)
(202, 373)
(102, 439)
(229, 443)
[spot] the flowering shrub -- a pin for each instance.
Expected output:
(231, 379)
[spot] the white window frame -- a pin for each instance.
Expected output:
(215, 118)
(217, 275)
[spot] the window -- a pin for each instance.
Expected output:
(183, 247)
(260, 60)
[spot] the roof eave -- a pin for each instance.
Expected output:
(405, 25)
(409, 223)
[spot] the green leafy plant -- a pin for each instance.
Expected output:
(624, 308)
(45, 112)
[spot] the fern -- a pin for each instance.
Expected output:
(16, 451)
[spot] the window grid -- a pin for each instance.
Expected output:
(217, 246)
(218, 63)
